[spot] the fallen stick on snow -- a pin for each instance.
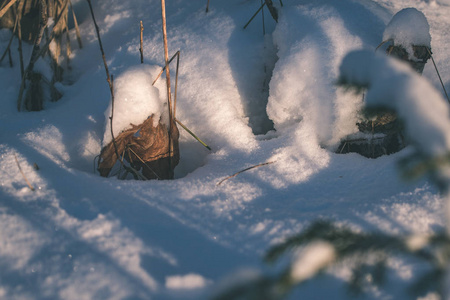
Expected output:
(242, 171)
(23, 174)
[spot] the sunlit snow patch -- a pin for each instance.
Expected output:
(187, 282)
(136, 99)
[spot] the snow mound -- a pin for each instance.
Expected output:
(301, 88)
(393, 85)
(408, 27)
(135, 99)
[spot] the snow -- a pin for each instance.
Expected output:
(252, 99)
(408, 27)
(393, 85)
(189, 281)
(136, 99)
(311, 260)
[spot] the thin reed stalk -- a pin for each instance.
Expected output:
(141, 49)
(110, 80)
(37, 50)
(77, 29)
(191, 133)
(166, 59)
(439, 75)
(263, 23)
(6, 7)
(8, 48)
(247, 169)
(256, 13)
(164, 68)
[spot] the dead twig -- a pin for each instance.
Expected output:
(273, 11)
(263, 22)
(19, 36)
(142, 161)
(256, 13)
(439, 75)
(164, 68)
(8, 48)
(141, 49)
(242, 171)
(166, 59)
(110, 80)
(6, 7)
(23, 174)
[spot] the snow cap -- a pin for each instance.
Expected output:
(408, 27)
(135, 100)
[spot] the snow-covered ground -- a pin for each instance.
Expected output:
(253, 99)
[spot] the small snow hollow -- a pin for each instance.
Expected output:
(135, 99)
(186, 282)
(408, 27)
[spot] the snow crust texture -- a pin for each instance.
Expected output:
(253, 99)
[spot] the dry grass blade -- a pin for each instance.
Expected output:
(23, 174)
(164, 68)
(191, 133)
(8, 48)
(242, 171)
(166, 59)
(38, 51)
(6, 7)
(77, 29)
(143, 162)
(141, 49)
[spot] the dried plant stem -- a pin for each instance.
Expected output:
(191, 133)
(177, 54)
(77, 29)
(6, 7)
(141, 49)
(10, 58)
(263, 23)
(439, 75)
(108, 77)
(164, 68)
(175, 98)
(37, 50)
(110, 80)
(176, 86)
(207, 6)
(142, 161)
(242, 171)
(19, 36)
(166, 59)
(256, 13)
(11, 39)
(23, 174)
(68, 46)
